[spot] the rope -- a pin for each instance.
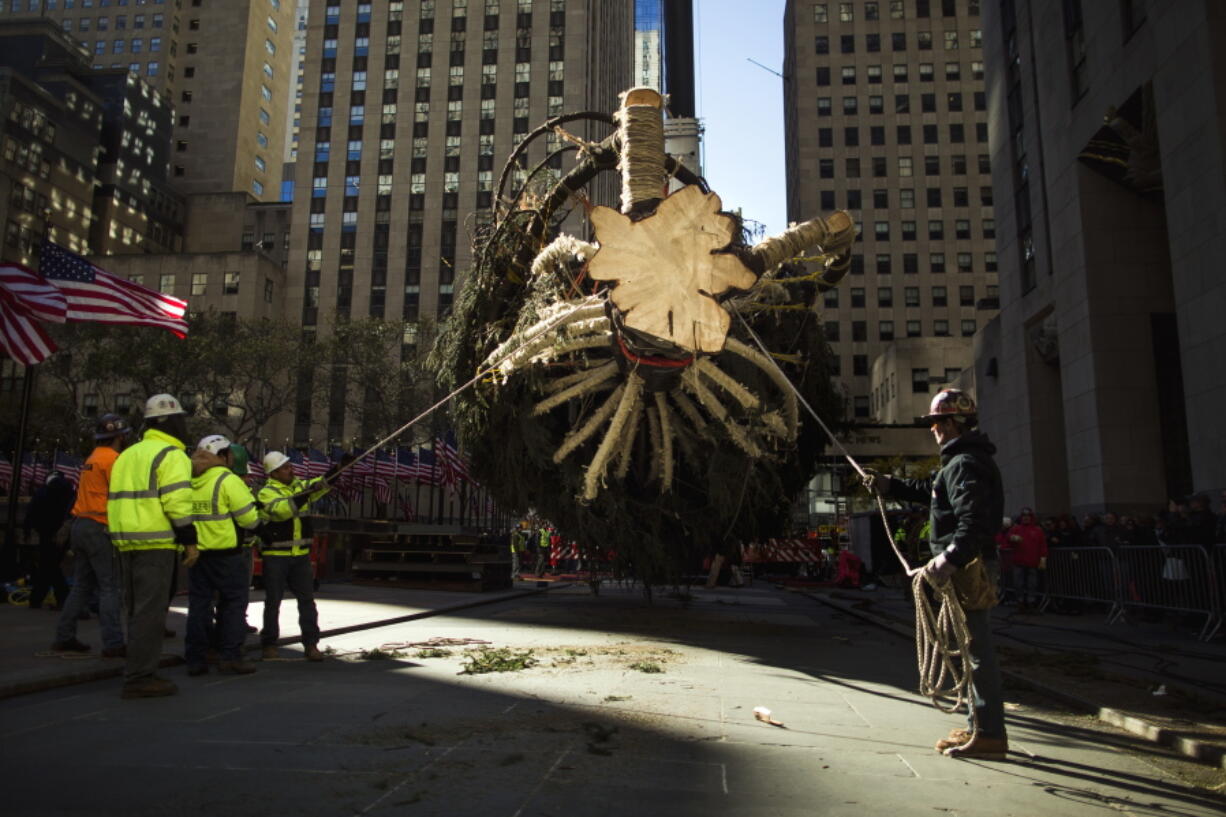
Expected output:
(942, 638)
(490, 368)
(641, 129)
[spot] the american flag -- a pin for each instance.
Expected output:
(317, 463)
(300, 466)
(33, 472)
(255, 472)
(383, 490)
(26, 298)
(450, 460)
(406, 465)
(96, 295)
(69, 466)
(427, 467)
(6, 473)
(386, 465)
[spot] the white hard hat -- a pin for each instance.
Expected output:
(162, 405)
(214, 444)
(274, 460)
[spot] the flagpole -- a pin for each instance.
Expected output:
(9, 565)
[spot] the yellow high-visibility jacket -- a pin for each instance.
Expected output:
(150, 494)
(283, 516)
(220, 501)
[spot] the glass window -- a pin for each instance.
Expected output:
(200, 281)
(904, 166)
(847, 12)
(230, 283)
(820, 13)
(951, 40)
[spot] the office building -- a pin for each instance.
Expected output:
(1103, 377)
(409, 111)
(225, 69)
(885, 116)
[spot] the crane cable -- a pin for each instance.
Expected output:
(942, 637)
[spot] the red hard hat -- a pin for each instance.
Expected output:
(950, 403)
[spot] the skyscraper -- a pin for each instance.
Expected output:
(885, 116)
(1104, 370)
(409, 111)
(223, 67)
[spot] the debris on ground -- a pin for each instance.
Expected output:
(763, 714)
(647, 666)
(433, 652)
(497, 659)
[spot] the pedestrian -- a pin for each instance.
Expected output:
(95, 570)
(1029, 545)
(48, 510)
(285, 548)
(966, 508)
(223, 505)
(149, 511)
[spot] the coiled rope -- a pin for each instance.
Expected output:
(942, 638)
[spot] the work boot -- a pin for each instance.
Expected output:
(269, 653)
(980, 747)
(956, 737)
(71, 645)
(115, 652)
(152, 687)
(313, 653)
(239, 667)
(196, 670)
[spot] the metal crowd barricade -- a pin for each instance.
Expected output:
(1179, 578)
(1219, 587)
(1084, 574)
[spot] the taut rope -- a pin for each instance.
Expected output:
(941, 636)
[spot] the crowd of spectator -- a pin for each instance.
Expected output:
(1025, 542)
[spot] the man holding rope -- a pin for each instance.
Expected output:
(966, 507)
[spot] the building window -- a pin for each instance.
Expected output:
(859, 332)
(919, 381)
(885, 330)
(913, 329)
(821, 44)
(940, 328)
(200, 282)
(820, 13)
(966, 296)
(230, 284)
(846, 12)
(936, 262)
(823, 106)
(166, 283)
(857, 297)
(911, 296)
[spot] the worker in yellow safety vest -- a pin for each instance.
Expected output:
(149, 515)
(224, 509)
(285, 549)
(519, 541)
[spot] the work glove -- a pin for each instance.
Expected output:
(876, 482)
(1042, 563)
(191, 555)
(301, 500)
(939, 569)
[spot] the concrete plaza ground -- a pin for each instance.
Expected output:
(589, 730)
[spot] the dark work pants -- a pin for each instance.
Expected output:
(95, 572)
(146, 587)
(294, 573)
(222, 577)
(988, 696)
(47, 573)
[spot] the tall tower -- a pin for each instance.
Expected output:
(225, 68)
(886, 117)
(410, 109)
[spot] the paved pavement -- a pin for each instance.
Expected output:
(587, 731)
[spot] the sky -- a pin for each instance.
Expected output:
(741, 105)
